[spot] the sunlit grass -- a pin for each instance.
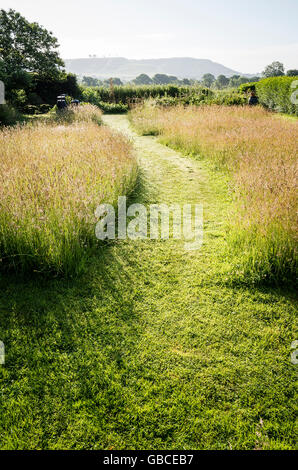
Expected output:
(150, 348)
(82, 113)
(260, 151)
(51, 180)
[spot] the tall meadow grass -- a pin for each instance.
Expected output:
(259, 150)
(52, 178)
(83, 113)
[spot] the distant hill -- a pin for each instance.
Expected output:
(127, 69)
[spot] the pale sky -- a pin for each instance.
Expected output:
(242, 35)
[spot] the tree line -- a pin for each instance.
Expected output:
(276, 69)
(34, 74)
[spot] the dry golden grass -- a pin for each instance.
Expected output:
(82, 113)
(261, 153)
(51, 180)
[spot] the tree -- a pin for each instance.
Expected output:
(173, 79)
(26, 46)
(237, 80)
(222, 81)
(91, 81)
(161, 79)
(276, 69)
(208, 79)
(254, 79)
(116, 81)
(48, 88)
(143, 79)
(292, 73)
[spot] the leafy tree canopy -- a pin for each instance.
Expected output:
(222, 81)
(161, 79)
(115, 80)
(91, 81)
(143, 79)
(26, 46)
(276, 69)
(208, 79)
(292, 73)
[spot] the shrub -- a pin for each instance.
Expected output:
(195, 96)
(33, 109)
(227, 98)
(204, 96)
(167, 101)
(44, 108)
(17, 98)
(52, 178)
(247, 87)
(8, 115)
(113, 108)
(275, 94)
(90, 95)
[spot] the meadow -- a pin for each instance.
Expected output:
(150, 347)
(142, 344)
(54, 174)
(259, 151)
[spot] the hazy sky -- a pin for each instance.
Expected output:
(245, 36)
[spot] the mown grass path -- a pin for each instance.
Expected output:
(153, 348)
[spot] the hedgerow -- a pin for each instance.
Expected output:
(113, 108)
(128, 95)
(275, 94)
(227, 98)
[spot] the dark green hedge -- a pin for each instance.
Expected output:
(24, 91)
(8, 115)
(129, 94)
(113, 108)
(275, 94)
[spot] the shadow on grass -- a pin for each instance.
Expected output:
(34, 305)
(73, 375)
